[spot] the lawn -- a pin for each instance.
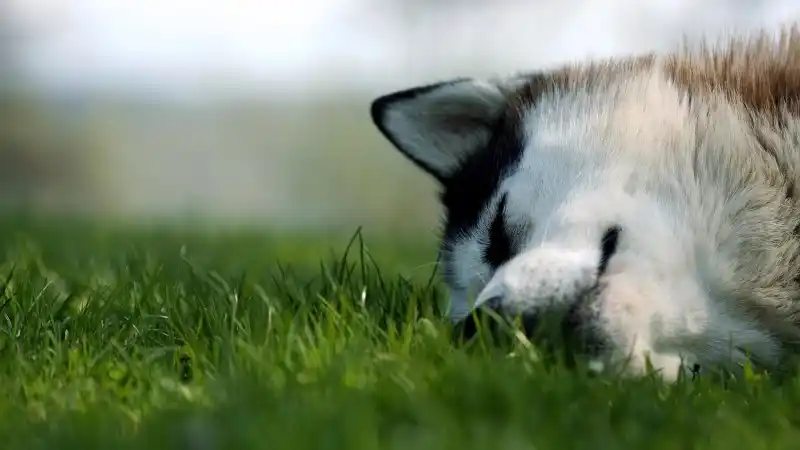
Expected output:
(174, 339)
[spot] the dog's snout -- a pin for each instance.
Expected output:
(569, 330)
(543, 290)
(491, 315)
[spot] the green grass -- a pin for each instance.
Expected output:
(177, 340)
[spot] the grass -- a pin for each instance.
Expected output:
(180, 340)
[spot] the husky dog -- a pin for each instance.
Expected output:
(651, 200)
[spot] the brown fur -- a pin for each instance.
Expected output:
(760, 72)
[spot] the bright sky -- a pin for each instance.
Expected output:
(172, 44)
(173, 41)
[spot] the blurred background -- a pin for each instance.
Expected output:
(253, 111)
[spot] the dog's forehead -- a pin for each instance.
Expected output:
(540, 111)
(467, 197)
(523, 168)
(467, 194)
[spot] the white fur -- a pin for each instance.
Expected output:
(623, 155)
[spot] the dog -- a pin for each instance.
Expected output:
(650, 201)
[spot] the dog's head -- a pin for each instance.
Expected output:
(606, 195)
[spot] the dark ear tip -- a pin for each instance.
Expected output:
(387, 114)
(379, 105)
(377, 109)
(377, 112)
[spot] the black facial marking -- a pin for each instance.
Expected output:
(466, 193)
(498, 251)
(608, 246)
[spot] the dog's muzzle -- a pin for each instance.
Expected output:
(571, 329)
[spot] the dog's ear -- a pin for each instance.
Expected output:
(437, 126)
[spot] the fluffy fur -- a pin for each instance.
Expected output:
(689, 161)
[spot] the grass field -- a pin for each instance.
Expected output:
(160, 339)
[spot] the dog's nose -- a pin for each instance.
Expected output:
(488, 314)
(567, 333)
(468, 327)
